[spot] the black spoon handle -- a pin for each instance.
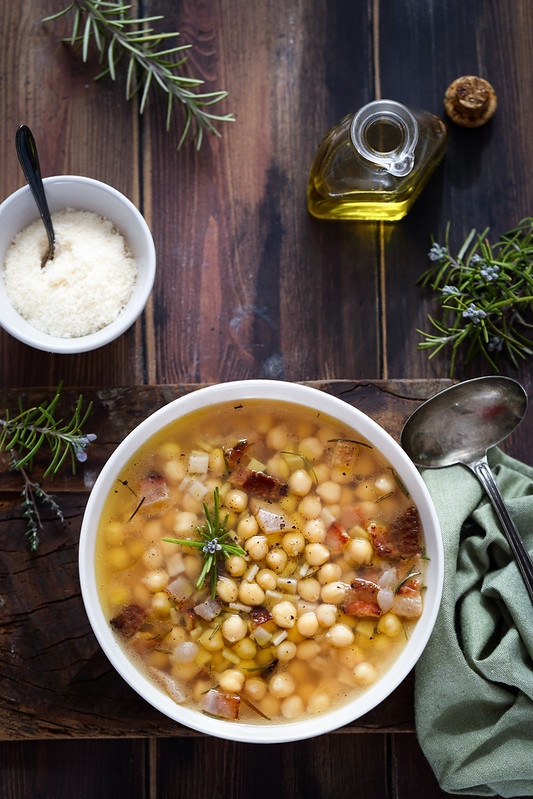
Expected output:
(29, 161)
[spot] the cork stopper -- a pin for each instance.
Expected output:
(470, 101)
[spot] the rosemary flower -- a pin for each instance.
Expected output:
(485, 294)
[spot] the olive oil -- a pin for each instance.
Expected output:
(373, 164)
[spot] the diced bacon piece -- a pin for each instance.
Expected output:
(153, 488)
(408, 605)
(352, 515)
(208, 610)
(221, 704)
(345, 455)
(260, 615)
(336, 538)
(264, 485)
(361, 599)
(399, 541)
(233, 456)
(129, 620)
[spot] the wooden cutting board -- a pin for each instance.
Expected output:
(55, 681)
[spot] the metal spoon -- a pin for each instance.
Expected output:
(459, 425)
(29, 160)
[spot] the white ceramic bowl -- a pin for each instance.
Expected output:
(62, 191)
(318, 400)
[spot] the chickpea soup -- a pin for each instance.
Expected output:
(261, 561)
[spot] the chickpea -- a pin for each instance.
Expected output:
(193, 566)
(141, 595)
(270, 706)
(152, 558)
(350, 656)
(251, 594)
(315, 531)
(176, 636)
(329, 492)
(213, 642)
(119, 594)
(267, 579)
(277, 437)
(326, 615)
(255, 689)
(334, 593)
(340, 636)
(318, 702)
(276, 559)
(300, 483)
(231, 680)
(191, 504)
(155, 580)
(286, 651)
(390, 625)
(292, 707)
(281, 685)
(246, 649)
(227, 589)
(284, 614)
(173, 471)
(329, 573)
(385, 484)
(310, 448)
(293, 543)
(118, 558)
(316, 554)
(364, 673)
(160, 604)
(257, 547)
(217, 462)
(247, 527)
(236, 500)
(200, 688)
(184, 523)
(299, 670)
(310, 507)
(307, 650)
(114, 533)
(234, 628)
(358, 551)
(307, 624)
(236, 565)
(309, 589)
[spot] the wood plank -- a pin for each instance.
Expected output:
(56, 681)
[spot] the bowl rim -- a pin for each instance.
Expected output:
(20, 328)
(298, 394)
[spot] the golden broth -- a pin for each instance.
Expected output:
(321, 603)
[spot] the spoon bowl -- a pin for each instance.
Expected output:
(29, 161)
(458, 426)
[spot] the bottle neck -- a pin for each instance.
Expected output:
(385, 133)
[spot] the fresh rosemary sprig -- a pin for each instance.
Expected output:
(485, 294)
(213, 536)
(117, 35)
(22, 436)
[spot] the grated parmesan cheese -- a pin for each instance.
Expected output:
(83, 288)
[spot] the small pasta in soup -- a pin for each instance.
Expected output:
(299, 571)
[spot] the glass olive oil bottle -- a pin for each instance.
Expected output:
(373, 164)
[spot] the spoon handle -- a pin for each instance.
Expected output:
(482, 471)
(29, 161)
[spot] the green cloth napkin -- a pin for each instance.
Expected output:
(474, 681)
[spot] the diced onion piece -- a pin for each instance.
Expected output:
(197, 489)
(208, 610)
(277, 595)
(170, 684)
(239, 607)
(270, 522)
(327, 517)
(385, 599)
(250, 574)
(181, 588)
(175, 564)
(279, 637)
(261, 636)
(218, 703)
(231, 656)
(408, 606)
(198, 462)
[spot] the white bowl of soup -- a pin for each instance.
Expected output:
(261, 561)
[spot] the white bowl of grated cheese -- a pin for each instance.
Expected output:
(100, 279)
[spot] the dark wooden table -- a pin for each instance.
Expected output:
(248, 285)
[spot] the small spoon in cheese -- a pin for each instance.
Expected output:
(29, 161)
